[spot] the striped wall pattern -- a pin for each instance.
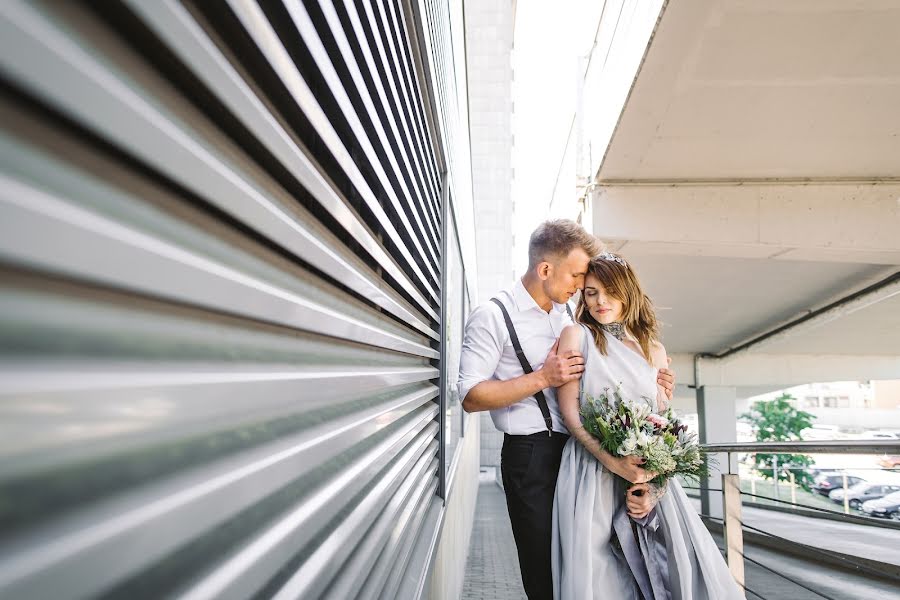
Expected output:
(222, 255)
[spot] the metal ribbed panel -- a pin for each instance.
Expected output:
(440, 54)
(220, 282)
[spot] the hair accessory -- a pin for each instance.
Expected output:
(613, 257)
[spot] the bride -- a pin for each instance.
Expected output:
(617, 333)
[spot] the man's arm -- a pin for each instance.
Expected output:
(661, 361)
(490, 395)
(558, 369)
(665, 379)
(482, 347)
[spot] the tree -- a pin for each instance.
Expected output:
(778, 421)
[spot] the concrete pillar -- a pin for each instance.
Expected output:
(717, 418)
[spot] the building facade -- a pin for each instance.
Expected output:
(489, 45)
(237, 248)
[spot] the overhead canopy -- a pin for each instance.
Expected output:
(753, 178)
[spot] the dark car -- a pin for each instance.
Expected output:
(863, 492)
(827, 481)
(883, 508)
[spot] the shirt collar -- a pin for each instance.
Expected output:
(524, 301)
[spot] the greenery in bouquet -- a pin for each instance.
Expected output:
(626, 427)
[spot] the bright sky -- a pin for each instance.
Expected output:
(549, 37)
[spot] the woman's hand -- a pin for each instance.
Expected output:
(638, 502)
(630, 468)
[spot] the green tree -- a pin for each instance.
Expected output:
(778, 421)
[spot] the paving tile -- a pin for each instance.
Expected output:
(492, 568)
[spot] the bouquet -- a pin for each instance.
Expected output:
(631, 428)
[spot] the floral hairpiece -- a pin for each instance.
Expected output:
(613, 257)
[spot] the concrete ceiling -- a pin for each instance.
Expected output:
(733, 89)
(754, 177)
(709, 304)
(873, 330)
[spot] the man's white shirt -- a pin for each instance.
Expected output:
(488, 354)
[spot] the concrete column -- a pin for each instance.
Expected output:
(717, 418)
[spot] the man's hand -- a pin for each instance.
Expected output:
(630, 468)
(560, 369)
(641, 498)
(666, 378)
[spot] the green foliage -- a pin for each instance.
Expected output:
(778, 421)
(631, 428)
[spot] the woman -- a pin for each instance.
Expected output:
(617, 333)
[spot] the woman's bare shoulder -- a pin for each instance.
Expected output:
(570, 338)
(572, 330)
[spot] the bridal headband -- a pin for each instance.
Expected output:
(613, 257)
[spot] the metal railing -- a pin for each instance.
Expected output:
(732, 500)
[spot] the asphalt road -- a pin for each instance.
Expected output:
(866, 541)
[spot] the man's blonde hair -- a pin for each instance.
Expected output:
(554, 240)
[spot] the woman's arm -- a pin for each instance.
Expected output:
(628, 467)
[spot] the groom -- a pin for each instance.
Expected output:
(518, 386)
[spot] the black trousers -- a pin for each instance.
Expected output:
(529, 465)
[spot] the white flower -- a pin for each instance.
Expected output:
(643, 439)
(628, 445)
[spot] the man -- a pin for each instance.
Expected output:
(523, 404)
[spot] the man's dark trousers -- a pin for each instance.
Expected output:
(529, 465)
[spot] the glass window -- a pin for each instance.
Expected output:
(466, 307)
(453, 331)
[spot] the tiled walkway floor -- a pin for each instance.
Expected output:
(492, 569)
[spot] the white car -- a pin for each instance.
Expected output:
(883, 508)
(863, 492)
(821, 432)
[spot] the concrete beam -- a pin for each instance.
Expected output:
(886, 291)
(853, 222)
(785, 370)
(782, 370)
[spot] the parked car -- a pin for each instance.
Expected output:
(889, 462)
(883, 508)
(826, 481)
(862, 492)
(821, 432)
(881, 435)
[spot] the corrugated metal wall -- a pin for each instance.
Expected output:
(220, 280)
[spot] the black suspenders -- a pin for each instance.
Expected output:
(523, 360)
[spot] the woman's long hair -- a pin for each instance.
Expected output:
(638, 315)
